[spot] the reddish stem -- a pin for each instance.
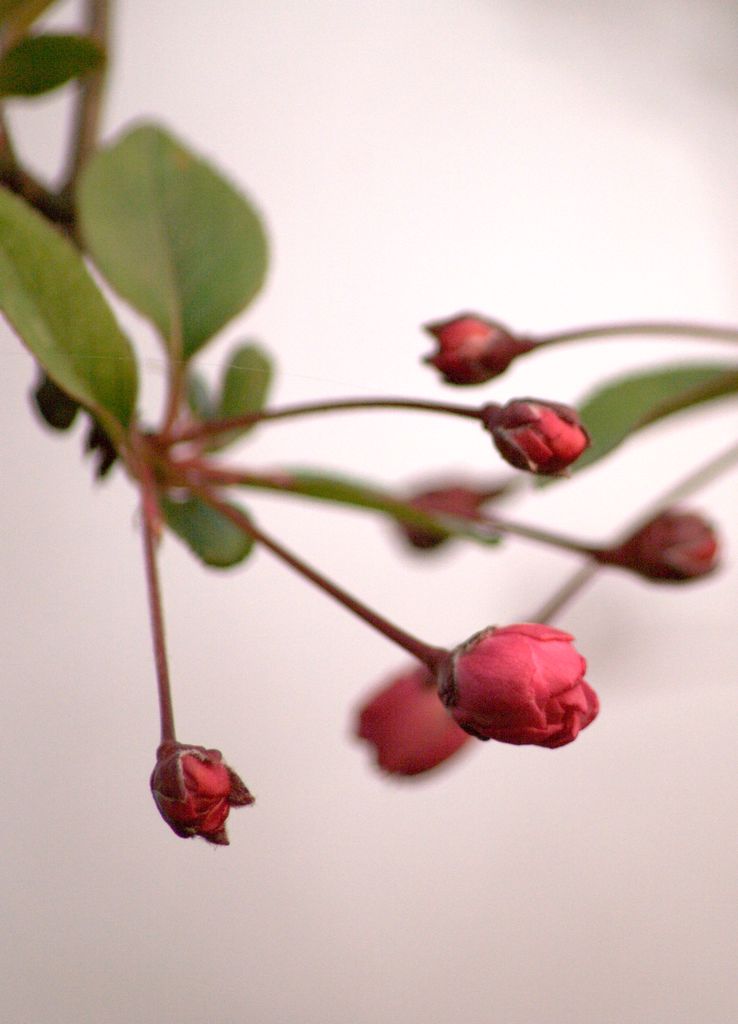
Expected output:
(654, 328)
(151, 528)
(428, 655)
(213, 427)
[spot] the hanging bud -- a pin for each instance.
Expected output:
(194, 791)
(519, 684)
(408, 726)
(457, 500)
(533, 434)
(674, 547)
(472, 350)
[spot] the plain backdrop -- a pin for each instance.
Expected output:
(545, 163)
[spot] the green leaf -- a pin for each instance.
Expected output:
(215, 540)
(171, 236)
(613, 412)
(342, 491)
(49, 298)
(39, 64)
(246, 383)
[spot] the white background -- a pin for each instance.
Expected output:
(544, 163)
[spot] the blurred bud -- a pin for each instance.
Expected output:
(673, 547)
(99, 445)
(472, 350)
(194, 791)
(56, 407)
(519, 684)
(458, 500)
(536, 435)
(408, 726)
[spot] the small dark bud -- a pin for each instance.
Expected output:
(98, 444)
(672, 548)
(458, 500)
(472, 350)
(56, 407)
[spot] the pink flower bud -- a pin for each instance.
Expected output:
(408, 726)
(472, 350)
(519, 684)
(194, 791)
(673, 547)
(542, 437)
(458, 500)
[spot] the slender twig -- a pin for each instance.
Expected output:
(88, 110)
(213, 427)
(151, 526)
(652, 328)
(566, 593)
(428, 655)
(696, 479)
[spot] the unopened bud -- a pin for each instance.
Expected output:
(194, 790)
(536, 435)
(673, 547)
(408, 726)
(519, 684)
(457, 500)
(472, 350)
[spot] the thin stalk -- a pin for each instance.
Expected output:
(150, 524)
(214, 427)
(652, 328)
(566, 593)
(533, 533)
(694, 480)
(428, 655)
(88, 110)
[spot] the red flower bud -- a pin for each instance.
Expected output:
(194, 791)
(463, 502)
(673, 547)
(540, 436)
(519, 684)
(408, 726)
(472, 350)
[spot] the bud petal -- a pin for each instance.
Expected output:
(519, 684)
(536, 435)
(472, 350)
(673, 547)
(408, 726)
(194, 790)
